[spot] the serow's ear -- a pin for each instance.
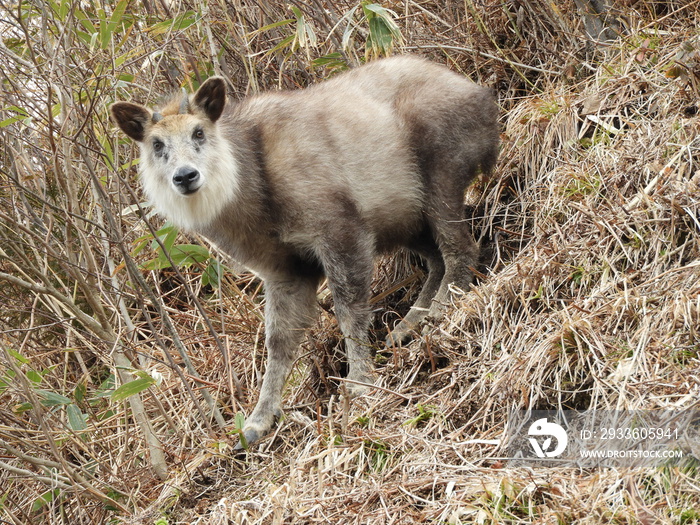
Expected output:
(131, 118)
(211, 98)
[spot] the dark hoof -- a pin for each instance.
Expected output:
(250, 436)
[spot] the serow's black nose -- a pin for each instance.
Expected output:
(186, 180)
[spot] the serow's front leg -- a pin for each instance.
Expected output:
(290, 307)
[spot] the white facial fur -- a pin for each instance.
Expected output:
(211, 155)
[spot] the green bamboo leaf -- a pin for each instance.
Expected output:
(238, 424)
(118, 14)
(92, 44)
(52, 399)
(106, 389)
(126, 166)
(113, 23)
(332, 61)
(213, 273)
(381, 40)
(271, 26)
(132, 387)
(350, 28)
(76, 419)
(311, 36)
(379, 9)
(383, 29)
(54, 6)
(80, 392)
(155, 264)
(7, 379)
(106, 144)
(85, 21)
(104, 34)
(283, 44)
(46, 498)
(22, 407)
(189, 254)
(167, 235)
(20, 358)
(21, 114)
(300, 36)
(9, 121)
(34, 376)
(305, 35)
(178, 23)
(65, 9)
(61, 10)
(140, 244)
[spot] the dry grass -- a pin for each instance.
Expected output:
(591, 298)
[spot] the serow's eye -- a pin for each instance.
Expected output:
(158, 146)
(198, 134)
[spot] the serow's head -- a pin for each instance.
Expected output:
(183, 153)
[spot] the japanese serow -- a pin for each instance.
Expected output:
(314, 183)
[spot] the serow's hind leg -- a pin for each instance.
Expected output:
(461, 255)
(460, 252)
(290, 307)
(403, 331)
